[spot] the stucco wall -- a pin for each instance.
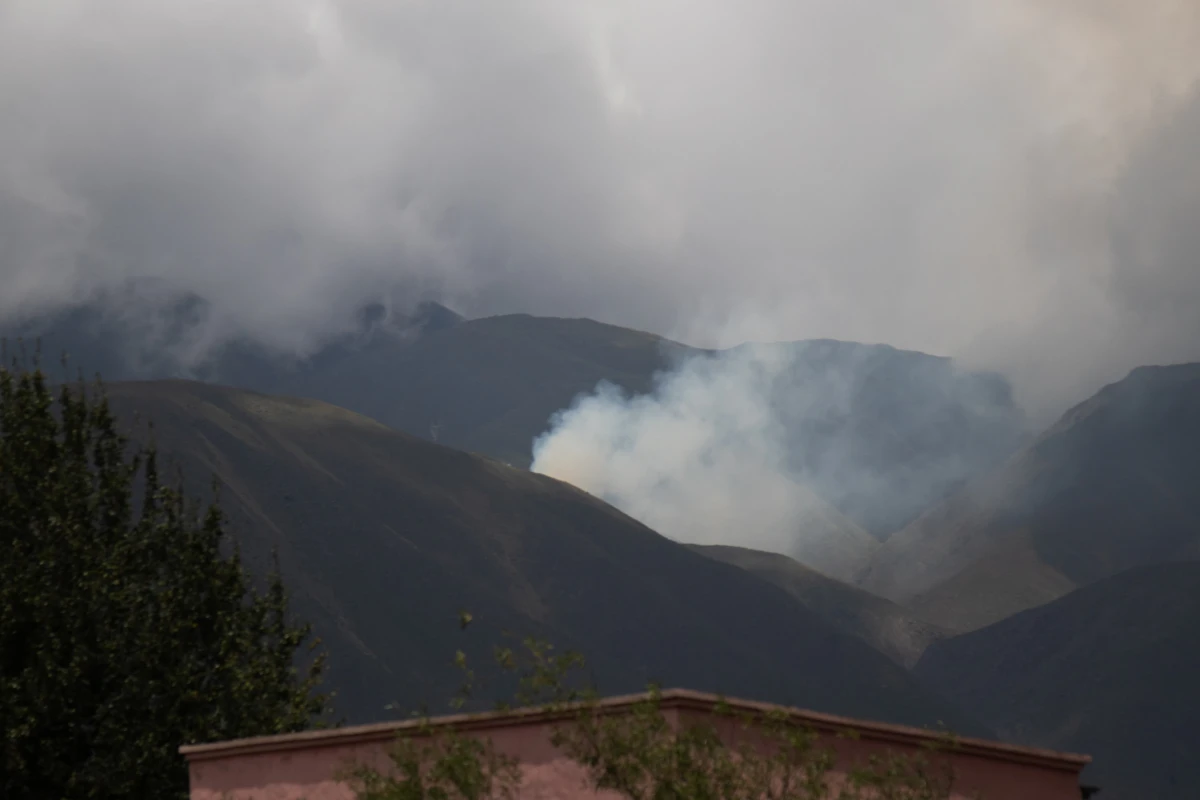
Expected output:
(307, 770)
(309, 773)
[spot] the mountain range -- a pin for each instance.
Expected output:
(1110, 486)
(888, 627)
(1036, 586)
(384, 538)
(878, 433)
(1109, 669)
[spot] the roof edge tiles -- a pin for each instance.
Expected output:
(672, 699)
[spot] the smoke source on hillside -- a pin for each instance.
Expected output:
(806, 449)
(690, 460)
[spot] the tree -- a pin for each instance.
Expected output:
(128, 623)
(639, 754)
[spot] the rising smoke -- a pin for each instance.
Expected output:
(704, 460)
(689, 459)
(814, 450)
(1014, 184)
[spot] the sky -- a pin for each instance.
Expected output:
(1015, 184)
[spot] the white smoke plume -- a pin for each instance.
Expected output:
(688, 460)
(760, 446)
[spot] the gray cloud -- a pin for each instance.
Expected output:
(1003, 182)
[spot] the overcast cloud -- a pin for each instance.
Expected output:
(1013, 183)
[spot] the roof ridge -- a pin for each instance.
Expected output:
(670, 699)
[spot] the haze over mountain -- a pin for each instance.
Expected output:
(849, 439)
(384, 537)
(996, 182)
(703, 253)
(890, 629)
(1109, 669)
(749, 439)
(1112, 485)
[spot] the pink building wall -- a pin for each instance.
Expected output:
(305, 766)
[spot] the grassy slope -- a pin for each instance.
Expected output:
(1003, 581)
(1109, 669)
(491, 384)
(828, 542)
(384, 537)
(1110, 486)
(890, 629)
(880, 433)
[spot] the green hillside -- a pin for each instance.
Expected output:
(890, 629)
(487, 385)
(1110, 486)
(1109, 669)
(878, 433)
(384, 537)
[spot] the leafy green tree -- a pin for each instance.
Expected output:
(128, 623)
(639, 754)
(439, 766)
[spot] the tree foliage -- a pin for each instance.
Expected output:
(640, 754)
(128, 623)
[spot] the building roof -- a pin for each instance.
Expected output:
(672, 699)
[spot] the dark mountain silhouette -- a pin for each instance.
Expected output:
(1110, 486)
(1109, 669)
(487, 385)
(879, 433)
(143, 329)
(385, 537)
(890, 629)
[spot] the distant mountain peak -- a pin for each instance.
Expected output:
(430, 317)
(426, 316)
